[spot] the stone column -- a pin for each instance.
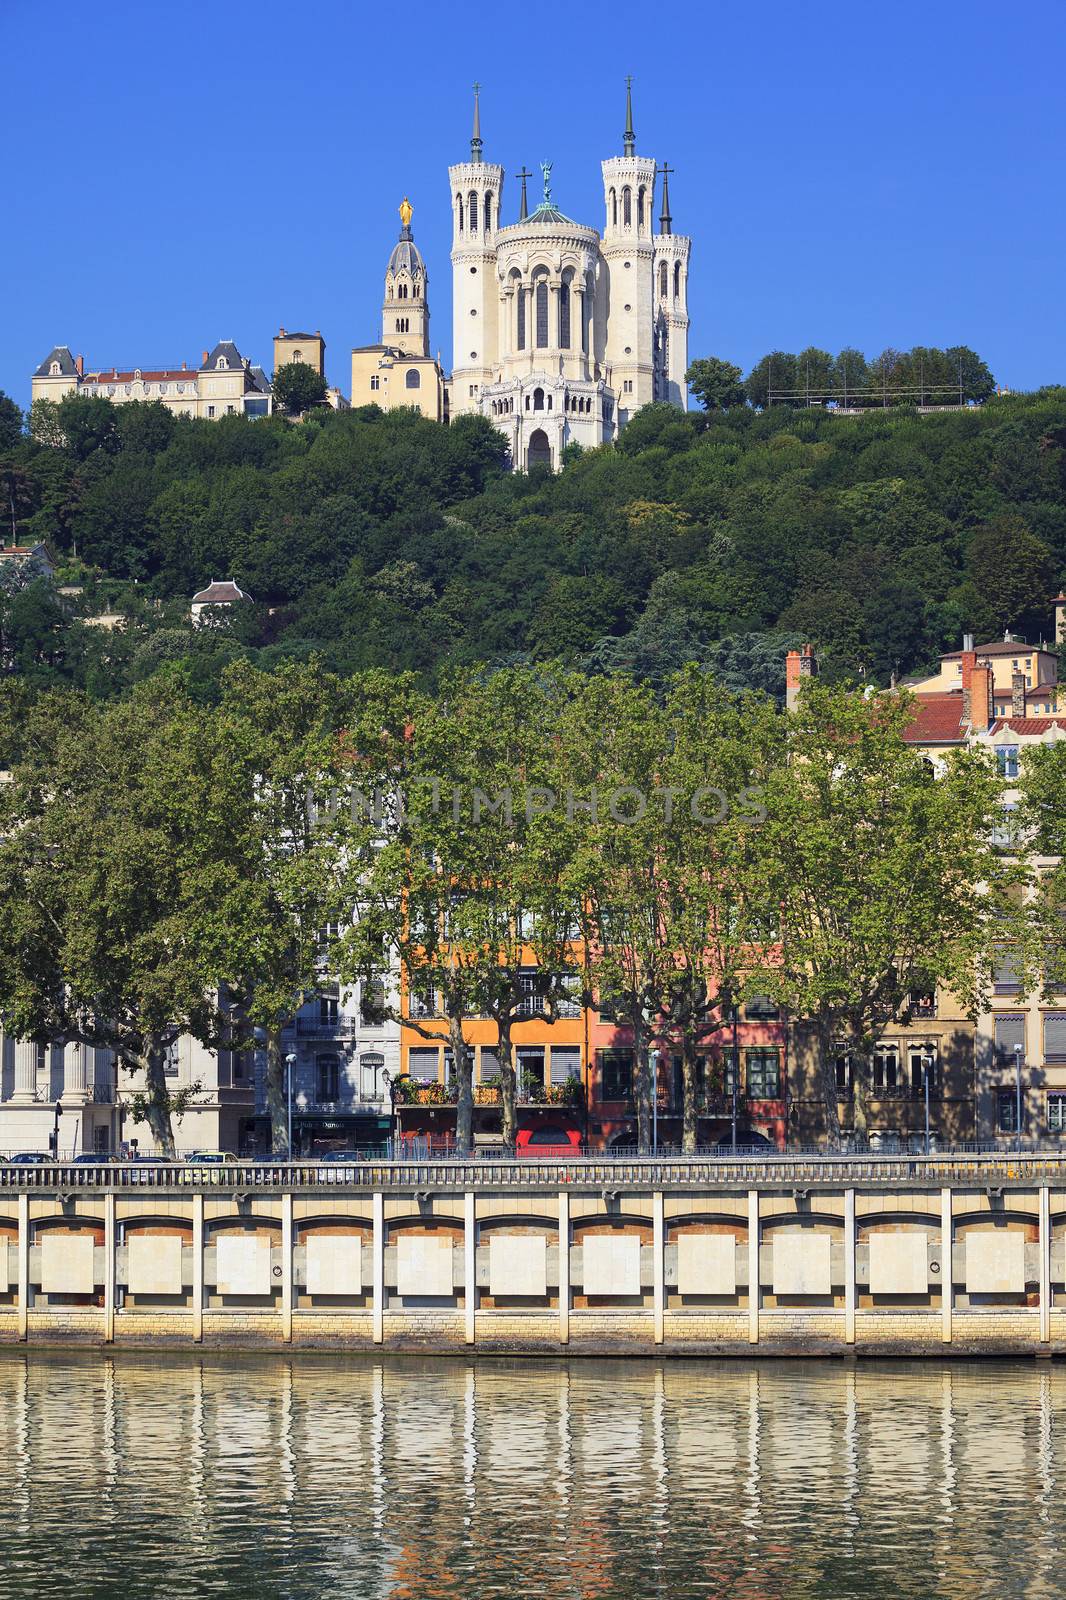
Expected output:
(378, 1271)
(25, 1072)
(197, 1268)
(564, 1268)
(469, 1266)
(24, 1265)
(505, 325)
(286, 1266)
(947, 1279)
(849, 1266)
(109, 1268)
(658, 1231)
(74, 1072)
(754, 1287)
(1045, 1264)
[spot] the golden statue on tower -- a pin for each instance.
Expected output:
(406, 212)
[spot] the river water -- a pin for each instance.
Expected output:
(207, 1475)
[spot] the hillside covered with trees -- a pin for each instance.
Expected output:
(720, 536)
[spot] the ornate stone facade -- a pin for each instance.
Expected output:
(561, 333)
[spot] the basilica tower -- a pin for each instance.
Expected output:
(671, 305)
(405, 311)
(476, 188)
(629, 253)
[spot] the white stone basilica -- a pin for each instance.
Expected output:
(561, 333)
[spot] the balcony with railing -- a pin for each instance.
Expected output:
(339, 1027)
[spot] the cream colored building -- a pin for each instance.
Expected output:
(307, 347)
(560, 332)
(400, 371)
(225, 383)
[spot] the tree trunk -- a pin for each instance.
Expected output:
(860, 1089)
(505, 1052)
(276, 1097)
(827, 1074)
(689, 1119)
(643, 1087)
(464, 1068)
(157, 1099)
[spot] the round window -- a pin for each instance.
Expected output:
(473, 355)
(627, 308)
(627, 265)
(473, 313)
(629, 350)
(473, 272)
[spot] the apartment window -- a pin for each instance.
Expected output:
(1056, 1113)
(921, 1061)
(530, 1063)
(327, 1071)
(1004, 831)
(1007, 1119)
(424, 1065)
(531, 987)
(1009, 1038)
(728, 1069)
(210, 411)
(842, 1068)
(1006, 973)
(1055, 1037)
(372, 1001)
(571, 1005)
(616, 1074)
(565, 1063)
(886, 1069)
(764, 1074)
(171, 1059)
(1007, 760)
(760, 1008)
(375, 382)
(328, 1010)
(422, 1002)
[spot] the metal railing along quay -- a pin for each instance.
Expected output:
(611, 1173)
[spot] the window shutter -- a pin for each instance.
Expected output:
(1010, 1034)
(1055, 1037)
(424, 1065)
(565, 1062)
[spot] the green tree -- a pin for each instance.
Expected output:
(88, 423)
(773, 380)
(11, 420)
(111, 846)
(292, 851)
(716, 384)
(1013, 573)
(297, 387)
(881, 878)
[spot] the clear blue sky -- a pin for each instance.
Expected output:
(866, 174)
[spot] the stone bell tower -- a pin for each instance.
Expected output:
(476, 187)
(405, 311)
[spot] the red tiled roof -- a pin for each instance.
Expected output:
(999, 648)
(937, 720)
(1027, 724)
(139, 375)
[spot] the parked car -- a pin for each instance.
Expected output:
(93, 1160)
(32, 1158)
(747, 1140)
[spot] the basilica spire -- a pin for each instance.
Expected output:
(475, 140)
(629, 138)
(666, 221)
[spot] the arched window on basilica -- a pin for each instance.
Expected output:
(413, 379)
(614, 208)
(488, 213)
(473, 213)
(664, 280)
(640, 207)
(538, 399)
(627, 207)
(677, 280)
(459, 202)
(542, 314)
(564, 314)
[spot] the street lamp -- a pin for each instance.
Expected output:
(1018, 1053)
(736, 1073)
(654, 1102)
(53, 1137)
(290, 1062)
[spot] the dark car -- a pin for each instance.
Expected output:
(31, 1158)
(87, 1160)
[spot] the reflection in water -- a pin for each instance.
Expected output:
(401, 1479)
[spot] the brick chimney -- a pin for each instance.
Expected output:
(976, 693)
(1017, 694)
(203, 361)
(799, 664)
(79, 366)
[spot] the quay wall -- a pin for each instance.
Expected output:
(910, 1258)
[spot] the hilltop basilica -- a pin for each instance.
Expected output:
(560, 332)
